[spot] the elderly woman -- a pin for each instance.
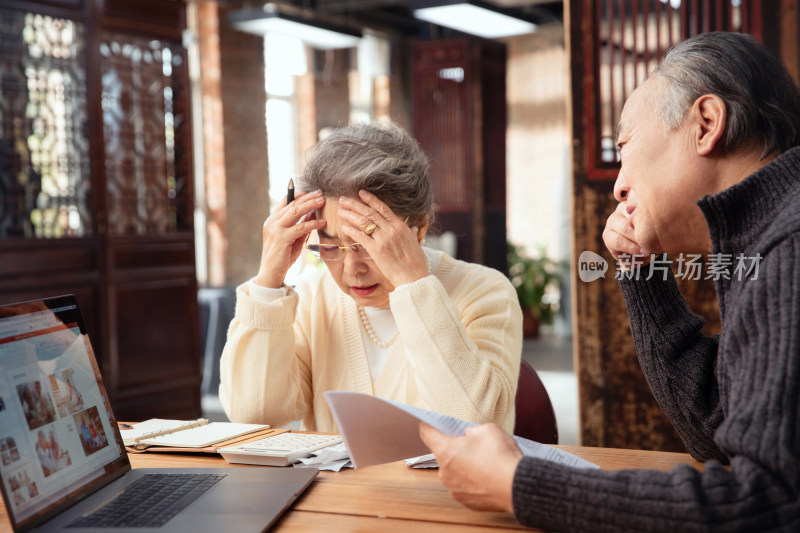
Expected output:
(387, 317)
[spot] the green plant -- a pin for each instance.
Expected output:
(532, 276)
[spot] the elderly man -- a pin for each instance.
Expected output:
(710, 149)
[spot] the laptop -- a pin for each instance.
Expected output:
(62, 460)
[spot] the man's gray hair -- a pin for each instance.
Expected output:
(761, 99)
(379, 157)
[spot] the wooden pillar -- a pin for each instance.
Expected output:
(244, 101)
(789, 31)
(213, 142)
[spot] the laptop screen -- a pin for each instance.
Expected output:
(58, 436)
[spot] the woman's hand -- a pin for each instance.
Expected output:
(392, 245)
(284, 233)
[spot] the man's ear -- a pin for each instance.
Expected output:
(711, 116)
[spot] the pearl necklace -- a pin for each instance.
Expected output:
(371, 332)
(368, 327)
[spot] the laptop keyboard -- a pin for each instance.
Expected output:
(150, 501)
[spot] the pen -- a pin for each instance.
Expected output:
(290, 192)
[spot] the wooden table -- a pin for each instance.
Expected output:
(393, 497)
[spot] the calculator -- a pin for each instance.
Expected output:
(278, 450)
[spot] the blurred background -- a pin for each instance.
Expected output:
(144, 142)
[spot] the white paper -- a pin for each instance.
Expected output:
(423, 461)
(380, 431)
(532, 448)
(333, 466)
(337, 452)
(332, 458)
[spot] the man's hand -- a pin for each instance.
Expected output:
(620, 240)
(618, 234)
(478, 468)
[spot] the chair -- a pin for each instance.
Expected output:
(535, 419)
(217, 307)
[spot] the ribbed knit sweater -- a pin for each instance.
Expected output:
(457, 352)
(733, 398)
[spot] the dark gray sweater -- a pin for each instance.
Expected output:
(734, 398)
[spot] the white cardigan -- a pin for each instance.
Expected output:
(458, 349)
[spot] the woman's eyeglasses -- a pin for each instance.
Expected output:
(332, 252)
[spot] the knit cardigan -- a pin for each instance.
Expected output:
(732, 398)
(458, 349)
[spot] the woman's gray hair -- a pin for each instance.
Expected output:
(379, 157)
(761, 99)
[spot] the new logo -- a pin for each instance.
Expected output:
(591, 266)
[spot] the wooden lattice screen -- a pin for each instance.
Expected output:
(96, 193)
(629, 38)
(44, 159)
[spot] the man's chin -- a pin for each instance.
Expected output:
(689, 242)
(685, 250)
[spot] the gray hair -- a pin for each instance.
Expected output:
(761, 99)
(379, 157)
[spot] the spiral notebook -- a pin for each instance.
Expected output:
(184, 433)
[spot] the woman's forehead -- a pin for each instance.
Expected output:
(330, 214)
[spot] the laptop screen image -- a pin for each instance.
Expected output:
(58, 437)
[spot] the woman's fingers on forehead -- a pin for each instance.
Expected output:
(349, 204)
(358, 214)
(385, 212)
(377, 205)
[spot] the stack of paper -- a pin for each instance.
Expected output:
(332, 458)
(423, 461)
(380, 431)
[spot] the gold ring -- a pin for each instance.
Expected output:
(370, 229)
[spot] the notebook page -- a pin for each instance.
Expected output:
(153, 425)
(203, 436)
